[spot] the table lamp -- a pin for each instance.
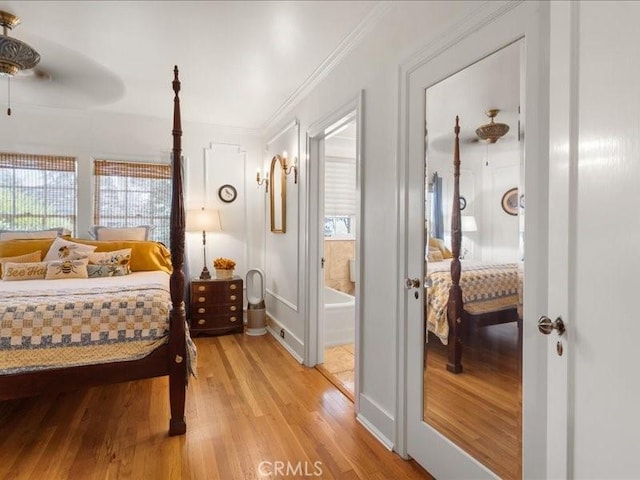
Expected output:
(204, 220)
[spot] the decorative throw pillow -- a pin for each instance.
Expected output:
(24, 271)
(62, 249)
(116, 262)
(107, 270)
(67, 269)
(27, 257)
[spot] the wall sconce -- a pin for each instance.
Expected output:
(264, 180)
(291, 168)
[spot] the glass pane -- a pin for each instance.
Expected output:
(472, 393)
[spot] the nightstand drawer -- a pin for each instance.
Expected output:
(208, 309)
(216, 287)
(215, 298)
(217, 321)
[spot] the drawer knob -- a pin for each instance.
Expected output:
(201, 288)
(233, 319)
(201, 299)
(202, 321)
(201, 310)
(233, 286)
(232, 298)
(233, 308)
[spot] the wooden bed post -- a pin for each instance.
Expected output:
(454, 305)
(177, 318)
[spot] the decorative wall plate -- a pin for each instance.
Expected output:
(510, 201)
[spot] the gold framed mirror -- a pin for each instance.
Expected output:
(278, 195)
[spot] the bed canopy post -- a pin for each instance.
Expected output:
(177, 318)
(454, 306)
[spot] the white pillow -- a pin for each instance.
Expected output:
(34, 234)
(99, 232)
(62, 249)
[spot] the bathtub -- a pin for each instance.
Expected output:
(339, 317)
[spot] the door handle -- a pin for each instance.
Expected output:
(546, 325)
(410, 283)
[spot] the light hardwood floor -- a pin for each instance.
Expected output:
(251, 403)
(339, 367)
(481, 408)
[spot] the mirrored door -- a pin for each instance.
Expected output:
(472, 368)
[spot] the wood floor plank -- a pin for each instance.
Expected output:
(251, 403)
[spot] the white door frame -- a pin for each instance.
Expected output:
(495, 26)
(315, 228)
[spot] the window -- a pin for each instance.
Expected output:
(339, 197)
(129, 194)
(37, 192)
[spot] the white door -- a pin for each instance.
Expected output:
(438, 453)
(594, 197)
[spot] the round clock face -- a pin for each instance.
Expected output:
(227, 193)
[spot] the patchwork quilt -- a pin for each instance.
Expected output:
(485, 288)
(49, 329)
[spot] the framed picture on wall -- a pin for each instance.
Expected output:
(510, 201)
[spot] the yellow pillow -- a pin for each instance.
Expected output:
(145, 254)
(435, 256)
(439, 244)
(24, 271)
(12, 248)
(27, 257)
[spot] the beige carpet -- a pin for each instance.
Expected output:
(339, 361)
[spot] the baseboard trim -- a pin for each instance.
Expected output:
(378, 422)
(290, 342)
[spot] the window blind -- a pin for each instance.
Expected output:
(128, 194)
(37, 192)
(339, 186)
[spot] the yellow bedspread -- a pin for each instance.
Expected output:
(485, 288)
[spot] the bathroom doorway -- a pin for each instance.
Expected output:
(338, 261)
(334, 248)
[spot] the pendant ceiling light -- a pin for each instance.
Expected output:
(14, 54)
(492, 131)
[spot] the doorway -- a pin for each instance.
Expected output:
(334, 248)
(338, 257)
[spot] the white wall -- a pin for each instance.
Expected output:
(88, 135)
(372, 65)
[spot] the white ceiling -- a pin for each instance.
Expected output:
(239, 61)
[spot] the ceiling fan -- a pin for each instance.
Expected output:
(16, 56)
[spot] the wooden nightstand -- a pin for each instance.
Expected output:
(216, 306)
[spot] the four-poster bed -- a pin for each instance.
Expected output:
(169, 358)
(484, 294)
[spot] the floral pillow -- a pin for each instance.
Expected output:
(24, 271)
(107, 270)
(62, 249)
(60, 269)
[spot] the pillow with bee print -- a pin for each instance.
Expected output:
(59, 269)
(24, 271)
(110, 264)
(62, 249)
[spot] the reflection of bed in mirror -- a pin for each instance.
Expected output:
(466, 294)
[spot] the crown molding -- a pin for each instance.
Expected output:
(335, 57)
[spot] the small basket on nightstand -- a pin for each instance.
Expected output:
(223, 274)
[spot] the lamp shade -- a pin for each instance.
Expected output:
(203, 220)
(468, 223)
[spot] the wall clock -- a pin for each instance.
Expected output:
(227, 193)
